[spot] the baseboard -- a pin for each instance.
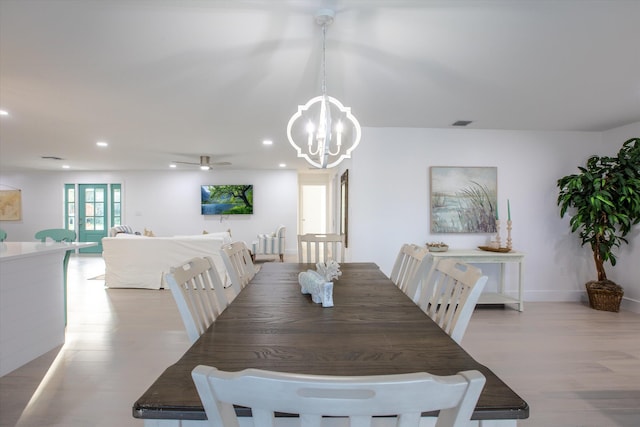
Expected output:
(554, 296)
(630, 304)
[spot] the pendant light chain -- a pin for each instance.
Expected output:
(324, 62)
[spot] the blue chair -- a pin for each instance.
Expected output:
(60, 235)
(56, 234)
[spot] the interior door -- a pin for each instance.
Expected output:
(313, 202)
(92, 214)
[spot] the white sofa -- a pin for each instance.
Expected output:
(133, 261)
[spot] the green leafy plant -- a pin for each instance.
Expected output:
(604, 201)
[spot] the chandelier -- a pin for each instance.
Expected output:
(326, 130)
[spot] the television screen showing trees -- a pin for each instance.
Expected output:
(226, 199)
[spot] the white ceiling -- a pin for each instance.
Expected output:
(165, 80)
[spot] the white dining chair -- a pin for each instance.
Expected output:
(359, 398)
(237, 261)
(410, 268)
(450, 295)
(199, 294)
(314, 248)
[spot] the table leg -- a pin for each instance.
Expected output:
(520, 277)
(501, 290)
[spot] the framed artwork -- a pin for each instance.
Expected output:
(344, 207)
(464, 199)
(10, 205)
(226, 199)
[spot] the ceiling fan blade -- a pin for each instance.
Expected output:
(205, 161)
(186, 163)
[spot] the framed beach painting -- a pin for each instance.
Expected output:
(463, 199)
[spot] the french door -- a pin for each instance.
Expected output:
(92, 215)
(90, 209)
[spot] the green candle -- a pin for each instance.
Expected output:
(508, 210)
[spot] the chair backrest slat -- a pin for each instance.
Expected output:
(451, 295)
(314, 248)
(359, 398)
(410, 268)
(199, 294)
(237, 261)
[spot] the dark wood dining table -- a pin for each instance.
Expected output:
(372, 329)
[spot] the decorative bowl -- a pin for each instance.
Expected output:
(439, 247)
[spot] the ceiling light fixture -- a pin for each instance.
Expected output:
(322, 143)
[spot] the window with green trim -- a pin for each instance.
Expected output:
(70, 206)
(116, 205)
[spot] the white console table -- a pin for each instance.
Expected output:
(478, 256)
(32, 296)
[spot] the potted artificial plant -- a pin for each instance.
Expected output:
(604, 199)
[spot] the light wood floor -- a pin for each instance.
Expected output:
(574, 366)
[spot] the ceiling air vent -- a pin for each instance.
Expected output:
(462, 123)
(52, 158)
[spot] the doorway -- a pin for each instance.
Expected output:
(90, 209)
(92, 215)
(313, 212)
(314, 203)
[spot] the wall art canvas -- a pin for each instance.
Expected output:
(464, 199)
(10, 205)
(226, 199)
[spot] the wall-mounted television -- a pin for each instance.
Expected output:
(226, 199)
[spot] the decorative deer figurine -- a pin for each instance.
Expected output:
(318, 283)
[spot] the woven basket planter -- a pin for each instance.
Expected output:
(604, 295)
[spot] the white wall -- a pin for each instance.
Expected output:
(168, 203)
(627, 270)
(389, 200)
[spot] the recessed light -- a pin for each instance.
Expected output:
(283, 165)
(65, 166)
(267, 142)
(102, 144)
(173, 165)
(4, 113)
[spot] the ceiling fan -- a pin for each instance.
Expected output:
(205, 163)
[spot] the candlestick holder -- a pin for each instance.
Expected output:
(509, 235)
(498, 233)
